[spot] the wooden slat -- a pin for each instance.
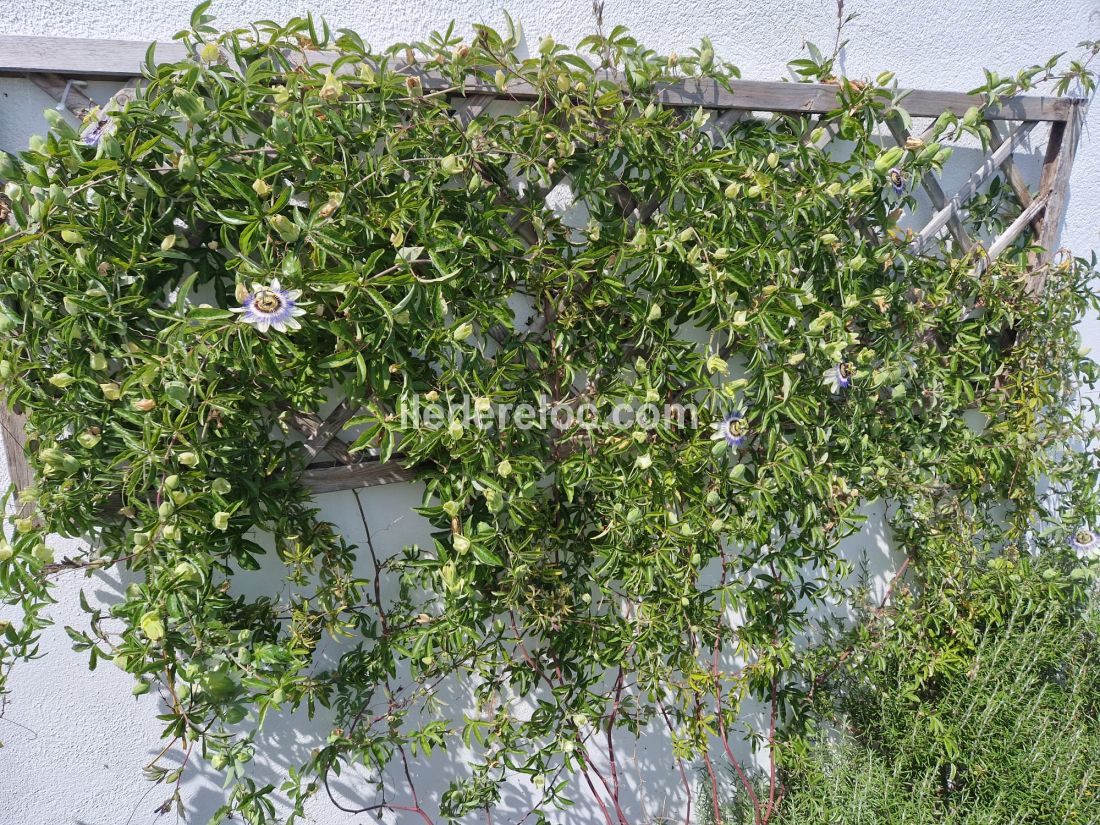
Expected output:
(355, 476)
(117, 58)
(80, 57)
(325, 435)
(310, 425)
(1015, 179)
(14, 439)
(1059, 187)
(973, 183)
(1009, 236)
(74, 99)
(932, 186)
(1061, 150)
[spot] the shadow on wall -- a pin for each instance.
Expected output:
(652, 790)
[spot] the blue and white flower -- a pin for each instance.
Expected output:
(734, 429)
(839, 376)
(897, 180)
(1084, 540)
(272, 307)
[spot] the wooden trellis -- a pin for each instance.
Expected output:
(59, 66)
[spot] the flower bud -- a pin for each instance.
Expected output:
(221, 520)
(460, 542)
(43, 552)
(6, 550)
(716, 363)
(88, 439)
(287, 229)
(221, 486)
(261, 187)
(332, 89)
(152, 626)
(452, 165)
(188, 458)
(463, 331)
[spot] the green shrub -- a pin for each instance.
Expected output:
(1011, 738)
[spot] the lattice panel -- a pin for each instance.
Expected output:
(57, 65)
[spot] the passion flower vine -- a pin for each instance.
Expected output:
(623, 579)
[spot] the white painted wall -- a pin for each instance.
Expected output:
(75, 742)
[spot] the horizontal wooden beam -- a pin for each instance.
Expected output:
(78, 57)
(354, 476)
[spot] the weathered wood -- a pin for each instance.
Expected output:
(354, 476)
(65, 92)
(1009, 236)
(80, 57)
(76, 57)
(932, 186)
(324, 436)
(1015, 179)
(1061, 150)
(311, 425)
(14, 437)
(1059, 187)
(973, 183)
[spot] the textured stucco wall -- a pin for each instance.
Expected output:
(75, 742)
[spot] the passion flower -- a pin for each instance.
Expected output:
(1083, 540)
(733, 428)
(839, 376)
(897, 180)
(271, 307)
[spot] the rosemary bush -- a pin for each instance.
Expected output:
(626, 579)
(1011, 740)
